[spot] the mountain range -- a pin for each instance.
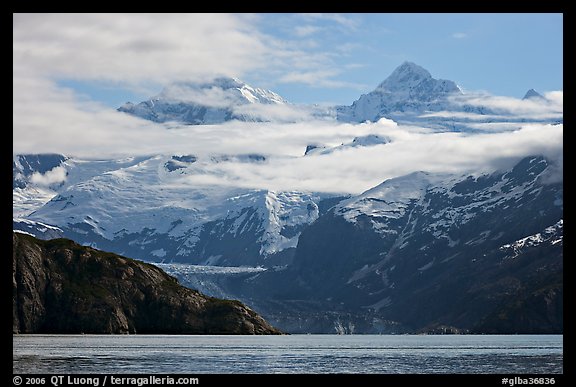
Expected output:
(410, 95)
(468, 253)
(422, 252)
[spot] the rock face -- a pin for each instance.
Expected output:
(432, 253)
(62, 287)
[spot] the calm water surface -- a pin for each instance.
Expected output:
(389, 354)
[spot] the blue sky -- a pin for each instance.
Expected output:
(504, 54)
(306, 58)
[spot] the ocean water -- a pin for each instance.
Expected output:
(319, 354)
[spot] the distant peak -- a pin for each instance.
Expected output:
(407, 73)
(409, 77)
(370, 139)
(531, 94)
(204, 102)
(414, 68)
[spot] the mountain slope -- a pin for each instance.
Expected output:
(148, 209)
(62, 287)
(476, 253)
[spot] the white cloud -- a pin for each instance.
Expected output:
(59, 123)
(50, 119)
(353, 170)
(277, 112)
(319, 78)
(161, 48)
(309, 77)
(134, 50)
(495, 126)
(307, 30)
(213, 96)
(549, 108)
(344, 20)
(556, 99)
(459, 35)
(136, 47)
(56, 175)
(461, 115)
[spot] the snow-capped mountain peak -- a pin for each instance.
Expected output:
(415, 82)
(229, 90)
(533, 94)
(408, 74)
(210, 102)
(388, 200)
(410, 88)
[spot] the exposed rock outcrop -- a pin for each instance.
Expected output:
(60, 286)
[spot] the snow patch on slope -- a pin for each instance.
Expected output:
(552, 234)
(389, 200)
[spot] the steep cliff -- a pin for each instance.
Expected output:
(62, 287)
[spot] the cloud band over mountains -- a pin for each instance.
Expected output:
(49, 118)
